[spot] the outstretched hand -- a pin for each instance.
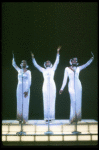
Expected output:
(92, 55)
(13, 57)
(32, 55)
(58, 49)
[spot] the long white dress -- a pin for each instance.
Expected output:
(48, 89)
(21, 88)
(75, 90)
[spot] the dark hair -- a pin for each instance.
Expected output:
(26, 63)
(46, 62)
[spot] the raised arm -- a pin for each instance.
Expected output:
(87, 64)
(14, 64)
(64, 81)
(57, 59)
(41, 69)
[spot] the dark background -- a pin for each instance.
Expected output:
(41, 27)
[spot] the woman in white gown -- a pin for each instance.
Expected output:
(23, 91)
(49, 87)
(74, 87)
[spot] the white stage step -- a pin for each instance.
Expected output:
(62, 131)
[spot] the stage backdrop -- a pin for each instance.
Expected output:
(41, 28)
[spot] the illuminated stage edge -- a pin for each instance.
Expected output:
(61, 129)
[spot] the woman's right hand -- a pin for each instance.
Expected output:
(13, 60)
(60, 92)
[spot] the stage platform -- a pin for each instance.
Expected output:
(61, 129)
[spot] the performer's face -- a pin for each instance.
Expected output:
(23, 63)
(74, 61)
(48, 63)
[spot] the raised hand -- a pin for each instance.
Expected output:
(92, 55)
(13, 56)
(58, 49)
(32, 55)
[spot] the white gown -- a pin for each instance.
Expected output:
(75, 90)
(48, 89)
(20, 91)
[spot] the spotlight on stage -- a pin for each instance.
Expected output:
(59, 130)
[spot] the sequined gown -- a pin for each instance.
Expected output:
(48, 89)
(75, 90)
(22, 108)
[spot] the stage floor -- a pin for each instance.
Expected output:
(65, 121)
(61, 130)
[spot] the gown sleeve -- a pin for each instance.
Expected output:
(41, 69)
(14, 65)
(56, 62)
(29, 80)
(64, 79)
(86, 64)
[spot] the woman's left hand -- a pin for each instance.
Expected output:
(32, 55)
(92, 55)
(25, 94)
